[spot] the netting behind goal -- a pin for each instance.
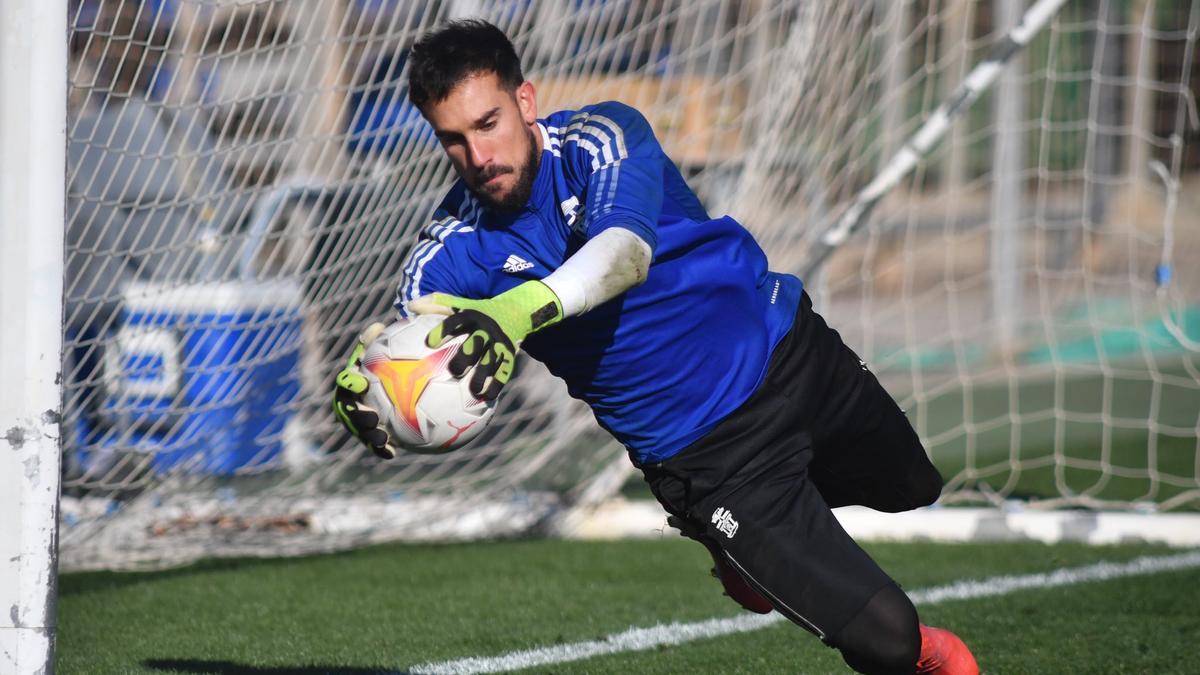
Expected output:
(244, 177)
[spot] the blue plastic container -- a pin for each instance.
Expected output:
(203, 377)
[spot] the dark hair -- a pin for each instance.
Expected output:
(448, 55)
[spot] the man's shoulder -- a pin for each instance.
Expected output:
(598, 135)
(449, 226)
(459, 203)
(613, 111)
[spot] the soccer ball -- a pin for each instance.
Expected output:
(422, 406)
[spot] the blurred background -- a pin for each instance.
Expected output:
(245, 177)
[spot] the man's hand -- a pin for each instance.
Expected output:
(350, 385)
(494, 328)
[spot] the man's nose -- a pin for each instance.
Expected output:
(479, 154)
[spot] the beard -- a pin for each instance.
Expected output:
(522, 188)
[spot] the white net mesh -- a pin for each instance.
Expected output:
(244, 177)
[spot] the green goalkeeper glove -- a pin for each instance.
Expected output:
(359, 418)
(494, 328)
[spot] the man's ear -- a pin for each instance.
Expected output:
(527, 102)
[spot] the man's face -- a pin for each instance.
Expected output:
(488, 133)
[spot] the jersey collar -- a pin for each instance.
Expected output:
(543, 182)
(545, 137)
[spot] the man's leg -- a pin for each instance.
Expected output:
(779, 534)
(747, 487)
(750, 494)
(870, 455)
(880, 463)
(864, 449)
(885, 636)
(736, 586)
(876, 639)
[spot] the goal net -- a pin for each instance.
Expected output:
(245, 176)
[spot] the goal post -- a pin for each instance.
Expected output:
(245, 176)
(32, 168)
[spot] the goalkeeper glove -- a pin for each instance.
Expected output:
(359, 418)
(494, 328)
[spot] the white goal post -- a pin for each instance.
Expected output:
(33, 95)
(244, 176)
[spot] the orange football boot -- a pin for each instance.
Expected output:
(944, 653)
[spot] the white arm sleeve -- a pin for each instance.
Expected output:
(606, 266)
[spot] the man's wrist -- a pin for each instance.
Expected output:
(535, 306)
(569, 286)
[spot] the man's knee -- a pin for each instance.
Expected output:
(920, 487)
(885, 637)
(925, 485)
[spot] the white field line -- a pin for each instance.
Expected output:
(636, 639)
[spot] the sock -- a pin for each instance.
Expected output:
(943, 653)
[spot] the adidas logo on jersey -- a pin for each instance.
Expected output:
(516, 264)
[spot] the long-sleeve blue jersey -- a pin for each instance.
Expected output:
(662, 363)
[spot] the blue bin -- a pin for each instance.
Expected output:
(203, 377)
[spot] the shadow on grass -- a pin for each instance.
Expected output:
(231, 668)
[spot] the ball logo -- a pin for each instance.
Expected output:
(458, 431)
(406, 380)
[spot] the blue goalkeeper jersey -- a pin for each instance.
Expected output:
(663, 363)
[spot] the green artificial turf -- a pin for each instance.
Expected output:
(386, 609)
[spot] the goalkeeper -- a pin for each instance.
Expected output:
(573, 237)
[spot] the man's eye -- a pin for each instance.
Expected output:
(488, 126)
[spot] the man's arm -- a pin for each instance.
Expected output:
(610, 148)
(606, 266)
(429, 265)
